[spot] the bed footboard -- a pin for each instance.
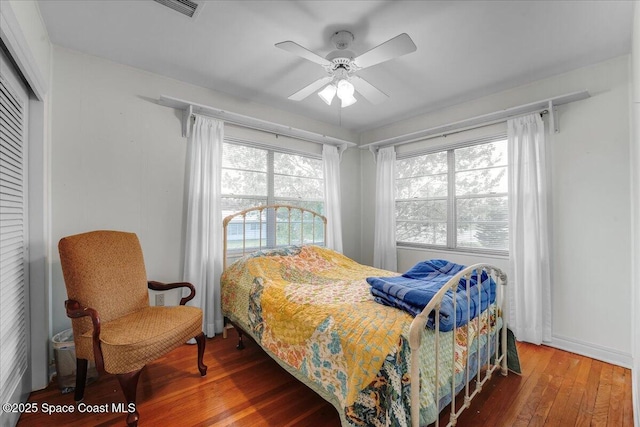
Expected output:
(494, 359)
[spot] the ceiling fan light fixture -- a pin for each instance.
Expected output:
(350, 100)
(345, 93)
(345, 89)
(328, 93)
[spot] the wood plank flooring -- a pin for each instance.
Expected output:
(247, 388)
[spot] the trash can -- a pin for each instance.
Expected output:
(64, 351)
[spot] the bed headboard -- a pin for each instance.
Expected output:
(271, 226)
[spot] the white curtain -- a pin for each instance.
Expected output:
(529, 285)
(203, 240)
(384, 242)
(331, 168)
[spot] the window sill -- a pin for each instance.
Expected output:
(501, 255)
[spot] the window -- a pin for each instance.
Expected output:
(455, 199)
(254, 176)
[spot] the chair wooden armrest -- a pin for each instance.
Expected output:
(76, 310)
(159, 286)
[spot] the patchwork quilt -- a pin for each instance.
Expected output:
(311, 309)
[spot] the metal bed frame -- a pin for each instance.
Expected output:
(271, 221)
(494, 360)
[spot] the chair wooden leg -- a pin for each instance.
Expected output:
(240, 345)
(81, 378)
(200, 339)
(129, 384)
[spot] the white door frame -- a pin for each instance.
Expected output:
(39, 179)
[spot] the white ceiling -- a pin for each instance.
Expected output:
(466, 49)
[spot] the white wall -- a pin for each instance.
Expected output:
(592, 218)
(350, 199)
(591, 209)
(118, 159)
(635, 164)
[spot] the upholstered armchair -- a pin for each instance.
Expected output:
(113, 324)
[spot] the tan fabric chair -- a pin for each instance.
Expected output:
(112, 321)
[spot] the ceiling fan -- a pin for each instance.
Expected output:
(342, 65)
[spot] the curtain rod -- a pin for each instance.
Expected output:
(191, 108)
(482, 121)
(542, 112)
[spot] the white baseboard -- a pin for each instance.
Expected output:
(593, 351)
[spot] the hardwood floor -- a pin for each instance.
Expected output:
(247, 388)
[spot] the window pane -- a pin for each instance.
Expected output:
(251, 228)
(422, 232)
(481, 156)
(422, 210)
(299, 233)
(231, 205)
(297, 187)
(294, 165)
(301, 222)
(244, 183)
(428, 164)
(482, 181)
(422, 187)
(483, 223)
(315, 206)
(483, 235)
(242, 157)
(297, 177)
(252, 234)
(482, 209)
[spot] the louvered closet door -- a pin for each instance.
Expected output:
(14, 291)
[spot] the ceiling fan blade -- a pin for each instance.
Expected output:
(308, 90)
(366, 89)
(305, 53)
(397, 46)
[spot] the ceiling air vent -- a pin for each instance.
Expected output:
(185, 7)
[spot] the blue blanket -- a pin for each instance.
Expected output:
(414, 289)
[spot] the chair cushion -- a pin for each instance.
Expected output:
(130, 342)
